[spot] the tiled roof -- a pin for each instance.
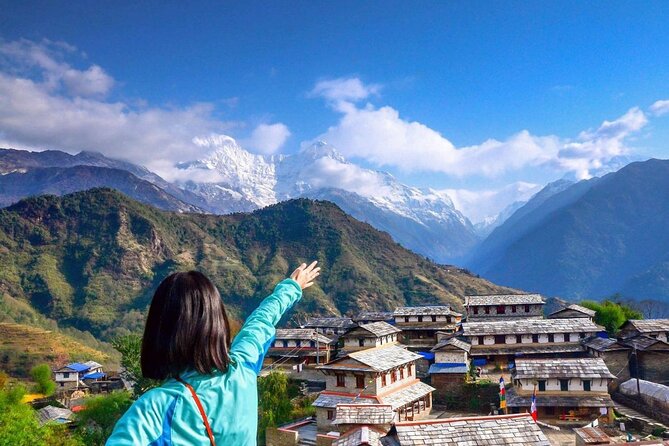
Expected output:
(572, 400)
(603, 344)
(642, 342)
(455, 342)
(384, 358)
(374, 316)
(407, 394)
(364, 414)
(329, 322)
(582, 309)
(502, 430)
(530, 326)
(380, 328)
(525, 349)
(428, 310)
(504, 299)
(331, 400)
(448, 368)
(650, 325)
(562, 368)
(302, 334)
(360, 436)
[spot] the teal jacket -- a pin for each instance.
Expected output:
(167, 415)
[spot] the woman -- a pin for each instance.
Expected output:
(209, 394)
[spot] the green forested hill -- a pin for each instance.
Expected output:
(91, 260)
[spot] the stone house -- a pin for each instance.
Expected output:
(500, 342)
(74, 375)
(380, 375)
(649, 357)
(572, 311)
(349, 416)
(655, 328)
(503, 306)
(299, 345)
(451, 364)
(420, 325)
(567, 388)
(374, 334)
(509, 430)
(616, 356)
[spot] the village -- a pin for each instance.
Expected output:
(501, 373)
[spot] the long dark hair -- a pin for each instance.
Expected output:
(187, 328)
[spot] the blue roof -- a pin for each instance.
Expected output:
(78, 367)
(480, 361)
(95, 375)
(448, 367)
(427, 355)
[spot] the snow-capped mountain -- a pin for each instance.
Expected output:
(424, 220)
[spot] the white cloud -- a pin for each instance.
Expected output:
(660, 107)
(267, 138)
(327, 172)
(342, 91)
(381, 136)
(478, 205)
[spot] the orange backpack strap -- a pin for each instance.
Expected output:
(201, 409)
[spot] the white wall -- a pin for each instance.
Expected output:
(450, 356)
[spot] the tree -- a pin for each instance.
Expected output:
(96, 421)
(18, 422)
(611, 315)
(41, 374)
(274, 404)
(130, 347)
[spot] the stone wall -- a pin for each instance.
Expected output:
(279, 437)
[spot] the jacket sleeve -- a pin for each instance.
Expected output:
(257, 334)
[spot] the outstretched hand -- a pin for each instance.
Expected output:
(304, 275)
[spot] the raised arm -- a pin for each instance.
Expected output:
(251, 343)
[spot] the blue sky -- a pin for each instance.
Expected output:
(535, 79)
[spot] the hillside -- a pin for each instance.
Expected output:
(90, 260)
(22, 347)
(593, 239)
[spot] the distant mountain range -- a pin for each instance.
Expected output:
(590, 239)
(91, 260)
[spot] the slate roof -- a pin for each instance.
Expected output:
(643, 342)
(52, 413)
(502, 430)
(504, 299)
(561, 368)
(448, 368)
(407, 394)
(381, 328)
(552, 400)
(574, 307)
(332, 399)
(360, 436)
(329, 322)
(592, 435)
(526, 349)
(455, 342)
(428, 310)
(650, 325)
(530, 326)
(384, 358)
(302, 334)
(363, 414)
(603, 344)
(374, 316)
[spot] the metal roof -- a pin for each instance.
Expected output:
(454, 342)
(428, 310)
(531, 326)
(501, 430)
(76, 366)
(561, 368)
(504, 299)
(592, 435)
(52, 413)
(448, 368)
(364, 414)
(302, 334)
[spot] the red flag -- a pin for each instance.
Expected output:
(533, 407)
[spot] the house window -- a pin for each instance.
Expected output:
(527, 308)
(361, 342)
(312, 344)
(480, 340)
(341, 380)
(567, 337)
(393, 376)
(284, 343)
(384, 382)
(406, 318)
(551, 338)
(360, 381)
(66, 375)
(519, 339)
(330, 414)
(434, 318)
(513, 308)
(500, 309)
(564, 385)
(449, 320)
(487, 310)
(586, 385)
(402, 373)
(500, 339)
(420, 318)
(542, 385)
(62, 384)
(298, 343)
(535, 338)
(476, 310)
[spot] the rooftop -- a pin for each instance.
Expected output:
(643, 342)
(302, 334)
(573, 400)
(562, 368)
(377, 359)
(55, 414)
(374, 316)
(452, 342)
(429, 310)
(502, 430)
(76, 366)
(364, 414)
(407, 394)
(360, 436)
(603, 344)
(650, 325)
(504, 299)
(575, 307)
(333, 399)
(448, 368)
(381, 328)
(592, 435)
(329, 322)
(530, 326)
(525, 349)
